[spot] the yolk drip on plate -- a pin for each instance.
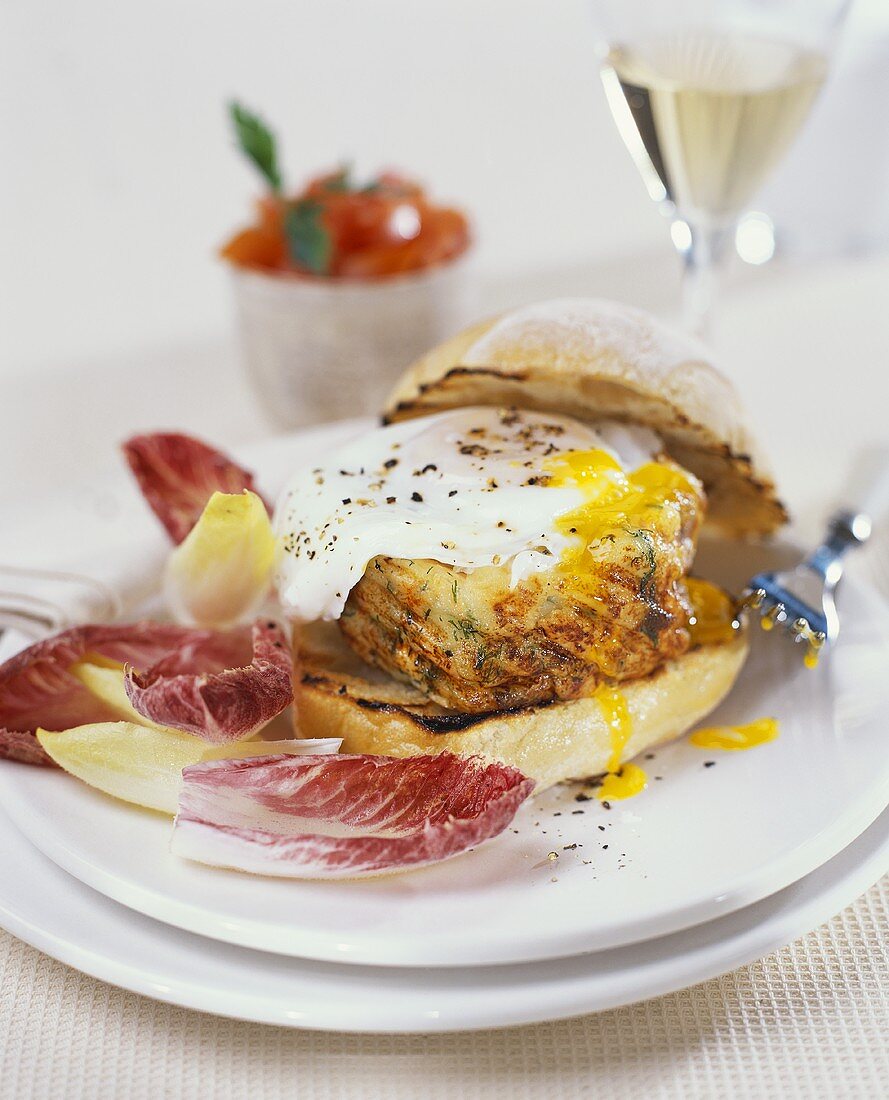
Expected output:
(622, 781)
(733, 738)
(629, 781)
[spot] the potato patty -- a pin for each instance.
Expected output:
(473, 642)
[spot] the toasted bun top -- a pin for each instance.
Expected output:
(594, 359)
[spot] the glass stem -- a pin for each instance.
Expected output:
(703, 250)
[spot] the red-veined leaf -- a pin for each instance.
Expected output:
(178, 475)
(342, 816)
(223, 704)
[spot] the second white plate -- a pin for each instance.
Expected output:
(44, 906)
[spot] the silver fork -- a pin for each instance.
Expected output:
(802, 599)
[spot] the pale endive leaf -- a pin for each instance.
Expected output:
(221, 573)
(143, 764)
(106, 682)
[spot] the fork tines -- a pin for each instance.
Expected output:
(777, 606)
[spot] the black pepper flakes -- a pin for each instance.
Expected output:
(415, 496)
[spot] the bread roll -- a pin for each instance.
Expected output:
(594, 359)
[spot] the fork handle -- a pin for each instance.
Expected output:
(851, 526)
(868, 490)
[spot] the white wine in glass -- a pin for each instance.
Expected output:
(707, 110)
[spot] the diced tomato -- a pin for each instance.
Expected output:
(376, 230)
(257, 247)
(271, 211)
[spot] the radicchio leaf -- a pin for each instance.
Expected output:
(342, 816)
(178, 474)
(37, 689)
(226, 704)
(23, 746)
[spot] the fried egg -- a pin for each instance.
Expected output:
(469, 487)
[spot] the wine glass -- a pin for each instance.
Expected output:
(707, 96)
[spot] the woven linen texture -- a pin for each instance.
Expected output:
(809, 1021)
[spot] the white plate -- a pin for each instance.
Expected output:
(698, 844)
(99, 937)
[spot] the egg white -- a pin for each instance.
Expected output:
(464, 487)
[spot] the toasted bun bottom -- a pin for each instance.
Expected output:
(337, 695)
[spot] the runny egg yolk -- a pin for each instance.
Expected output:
(617, 717)
(613, 497)
(627, 783)
(622, 781)
(734, 738)
(617, 499)
(714, 616)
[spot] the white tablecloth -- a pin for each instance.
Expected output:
(810, 1021)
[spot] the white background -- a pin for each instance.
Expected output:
(120, 181)
(119, 177)
(117, 112)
